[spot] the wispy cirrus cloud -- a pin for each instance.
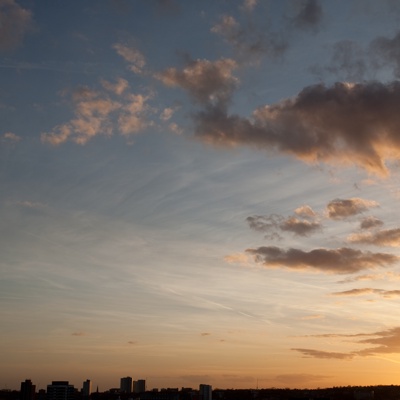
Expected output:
(311, 353)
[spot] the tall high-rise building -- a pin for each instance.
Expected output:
(126, 385)
(139, 386)
(87, 388)
(60, 390)
(205, 392)
(27, 390)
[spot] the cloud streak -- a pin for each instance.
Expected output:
(335, 261)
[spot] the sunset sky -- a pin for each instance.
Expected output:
(200, 191)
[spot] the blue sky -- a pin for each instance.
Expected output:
(199, 192)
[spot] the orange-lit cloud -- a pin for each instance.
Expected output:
(132, 55)
(318, 125)
(370, 222)
(206, 81)
(343, 208)
(386, 237)
(364, 291)
(15, 22)
(385, 342)
(337, 261)
(310, 353)
(99, 113)
(10, 137)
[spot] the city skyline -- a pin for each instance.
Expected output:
(200, 192)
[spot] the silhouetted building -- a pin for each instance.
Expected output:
(139, 386)
(87, 388)
(205, 392)
(60, 390)
(126, 385)
(27, 390)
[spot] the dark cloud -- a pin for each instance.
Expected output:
(268, 223)
(337, 261)
(344, 208)
(250, 40)
(353, 124)
(348, 61)
(309, 15)
(370, 222)
(299, 227)
(15, 22)
(385, 237)
(386, 51)
(310, 353)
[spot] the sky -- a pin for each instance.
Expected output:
(200, 192)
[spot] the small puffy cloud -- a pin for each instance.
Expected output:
(385, 237)
(370, 223)
(344, 208)
(309, 15)
(175, 128)
(299, 227)
(132, 342)
(118, 88)
(10, 137)
(131, 118)
(15, 22)
(206, 81)
(346, 124)
(249, 5)
(305, 211)
(310, 353)
(205, 334)
(336, 261)
(132, 55)
(167, 113)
